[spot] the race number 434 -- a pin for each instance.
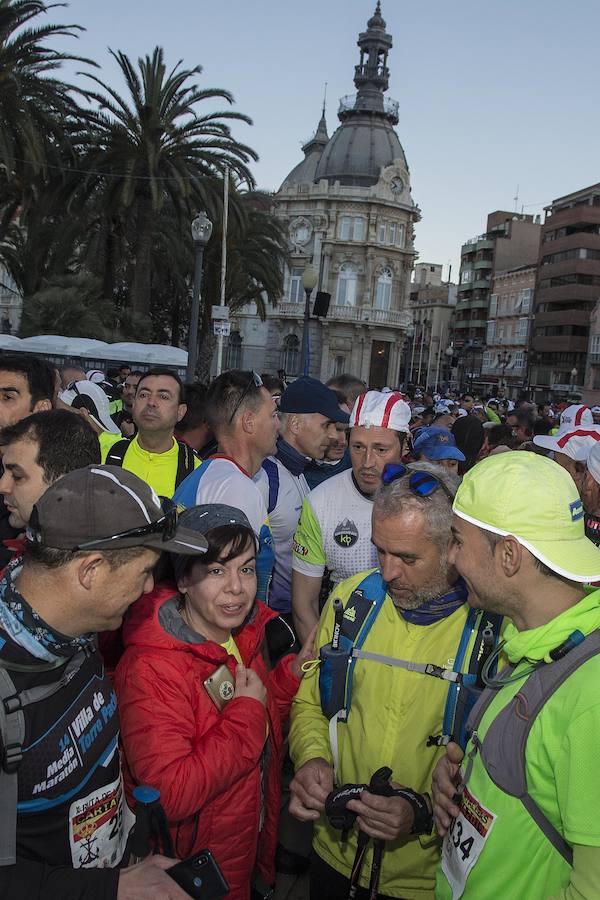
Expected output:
(465, 841)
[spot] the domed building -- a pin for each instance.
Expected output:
(348, 211)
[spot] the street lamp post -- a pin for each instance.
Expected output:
(574, 374)
(410, 337)
(504, 361)
(201, 232)
(309, 282)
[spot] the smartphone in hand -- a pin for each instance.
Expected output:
(200, 876)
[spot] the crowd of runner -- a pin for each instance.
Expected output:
(226, 609)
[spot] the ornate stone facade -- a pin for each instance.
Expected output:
(348, 211)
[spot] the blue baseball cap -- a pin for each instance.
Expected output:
(309, 395)
(437, 443)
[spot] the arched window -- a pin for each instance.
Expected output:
(291, 355)
(234, 351)
(346, 287)
(383, 294)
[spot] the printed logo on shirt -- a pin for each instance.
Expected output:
(299, 549)
(346, 533)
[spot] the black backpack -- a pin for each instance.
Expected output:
(186, 461)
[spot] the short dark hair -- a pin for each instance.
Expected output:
(499, 435)
(65, 442)
(349, 385)
(526, 421)
(38, 373)
(239, 536)
(228, 395)
(195, 397)
(170, 373)
(272, 383)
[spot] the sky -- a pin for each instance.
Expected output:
(497, 100)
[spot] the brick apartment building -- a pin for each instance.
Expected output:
(567, 291)
(509, 241)
(510, 315)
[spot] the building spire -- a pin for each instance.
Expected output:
(371, 75)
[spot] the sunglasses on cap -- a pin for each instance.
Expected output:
(420, 482)
(255, 380)
(165, 525)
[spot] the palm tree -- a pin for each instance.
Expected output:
(34, 105)
(154, 148)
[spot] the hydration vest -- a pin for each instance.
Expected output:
(337, 664)
(185, 460)
(502, 750)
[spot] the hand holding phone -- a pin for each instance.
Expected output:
(200, 876)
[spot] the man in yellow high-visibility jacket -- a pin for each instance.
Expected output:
(395, 711)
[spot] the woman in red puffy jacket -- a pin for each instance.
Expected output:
(217, 769)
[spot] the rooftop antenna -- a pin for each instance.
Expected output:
(516, 199)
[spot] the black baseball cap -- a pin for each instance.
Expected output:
(109, 508)
(309, 395)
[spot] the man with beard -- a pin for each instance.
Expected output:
(411, 611)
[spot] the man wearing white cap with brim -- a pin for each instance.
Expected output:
(571, 448)
(334, 531)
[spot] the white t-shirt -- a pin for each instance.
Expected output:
(334, 531)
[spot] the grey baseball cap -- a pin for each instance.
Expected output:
(109, 508)
(202, 519)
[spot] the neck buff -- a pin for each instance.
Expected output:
(439, 607)
(28, 629)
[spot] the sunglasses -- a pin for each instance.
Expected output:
(165, 525)
(421, 483)
(255, 380)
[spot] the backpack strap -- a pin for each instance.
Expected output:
(12, 736)
(116, 454)
(186, 462)
(504, 745)
(272, 470)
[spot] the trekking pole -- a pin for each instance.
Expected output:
(361, 849)
(378, 848)
(150, 834)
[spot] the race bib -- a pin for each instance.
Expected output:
(99, 825)
(464, 842)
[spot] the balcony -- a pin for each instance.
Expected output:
(367, 315)
(483, 263)
(485, 244)
(594, 359)
(470, 323)
(482, 284)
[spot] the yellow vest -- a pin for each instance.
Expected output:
(159, 470)
(393, 713)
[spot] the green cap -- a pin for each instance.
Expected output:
(535, 500)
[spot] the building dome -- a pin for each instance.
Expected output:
(358, 150)
(365, 141)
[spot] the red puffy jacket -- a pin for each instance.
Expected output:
(212, 768)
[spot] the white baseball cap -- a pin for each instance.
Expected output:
(375, 409)
(90, 396)
(575, 444)
(573, 416)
